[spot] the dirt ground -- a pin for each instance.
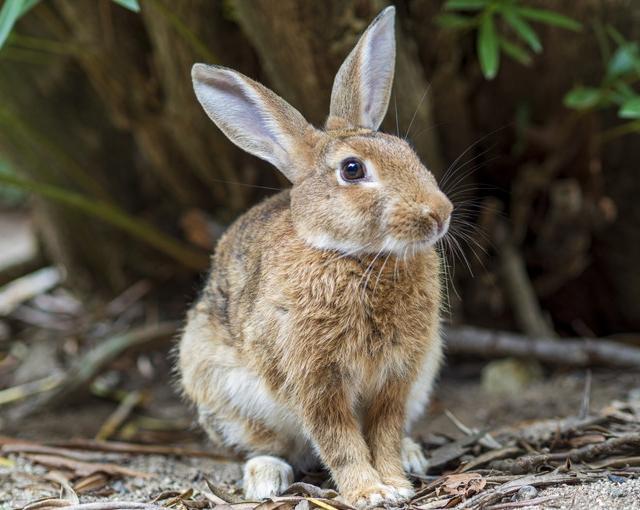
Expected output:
(560, 394)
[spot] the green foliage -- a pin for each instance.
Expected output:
(132, 5)
(618, 87)
(492, 18)
(10, 12)
(13, 10)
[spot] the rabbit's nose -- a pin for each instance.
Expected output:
(439, 210)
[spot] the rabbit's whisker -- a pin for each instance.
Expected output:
(424, 95)
(380, 272)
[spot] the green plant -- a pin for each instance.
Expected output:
(13, 10)
(492, 19)
(618, 87)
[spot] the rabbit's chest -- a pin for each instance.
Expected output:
(371, 313)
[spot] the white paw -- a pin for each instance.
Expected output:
(379, 495)
(265, 477)
(413, 459)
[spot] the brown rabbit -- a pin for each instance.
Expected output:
(317, 334)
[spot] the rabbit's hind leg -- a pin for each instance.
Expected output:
(266, 473)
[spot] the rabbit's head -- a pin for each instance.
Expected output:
(355, 189)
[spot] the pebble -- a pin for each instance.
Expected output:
(617, 492)
(526, 492)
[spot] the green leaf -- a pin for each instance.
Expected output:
(630, 109)
(132, 5)
(114, 215)
(488, 47)
(523, 29)
(455, 21)
(582, 98)
(466, 5)
(9, 14)
(626, 59)
(550, 18)
(515, 52)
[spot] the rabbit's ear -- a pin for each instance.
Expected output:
(253, 117)
(362, 86)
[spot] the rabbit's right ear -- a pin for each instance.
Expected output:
(362, 87)
(253, 117)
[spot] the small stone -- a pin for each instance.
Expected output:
(617, 492)
(526, 492)
(510, 376)
(616, 478)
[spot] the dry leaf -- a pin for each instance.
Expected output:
(462, 484)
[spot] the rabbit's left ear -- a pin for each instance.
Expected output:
(362, 87)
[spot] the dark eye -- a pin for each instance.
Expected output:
(352, 169)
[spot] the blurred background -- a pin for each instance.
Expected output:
(115, 186)
(532, 106)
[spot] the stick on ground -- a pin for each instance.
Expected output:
(579, 352)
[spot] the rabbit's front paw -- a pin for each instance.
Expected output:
(378, 495)
(266, 476)
(413, 459)
(401, 486)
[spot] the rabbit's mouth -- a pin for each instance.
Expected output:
(416, 226)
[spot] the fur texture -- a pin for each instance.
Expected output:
(316, 337)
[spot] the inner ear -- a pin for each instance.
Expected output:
(252, 116)
(362, 87)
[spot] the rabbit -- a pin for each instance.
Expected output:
(316, 338)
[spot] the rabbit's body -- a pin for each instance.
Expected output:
(317, 334)
(280, 321)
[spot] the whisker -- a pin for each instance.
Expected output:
(395, 104)
(380, 273)
(479, 140)
(223, 181)
(417, 109)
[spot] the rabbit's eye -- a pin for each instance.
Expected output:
(352, 169)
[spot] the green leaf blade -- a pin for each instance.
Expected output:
(582, 98)
(488, 47)
(625, 60)
(9, 14)
(132, 5)
(630, 109)
(523, 29)
(515, 52)
(550, 18)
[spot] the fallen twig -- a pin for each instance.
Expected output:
(139, 449)
(76, 381)
(520, 504)
(26, 390)
(120, 415)
(495, 494)
(81, 468)
(580, 352)
(115, 505)
(27, 287)
(529, 463)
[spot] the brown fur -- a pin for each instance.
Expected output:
(300, 346)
